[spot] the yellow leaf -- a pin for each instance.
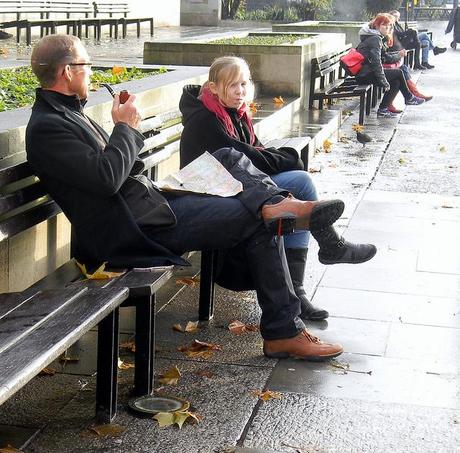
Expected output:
(357, 127)
(442, 149)
(180, 417)
(164, 419)
(314, 170)
(199, 349)
(4, 51)
(192, 326)
(108, 430)
(189, 281)
(171, 377)
(278, 100)
(327, 146)
(238, 327)
(266, 395)
(99, 273)
(9, 448)
(124, 365)
(118, 70)
(402, 161)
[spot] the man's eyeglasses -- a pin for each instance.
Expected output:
(81, 64)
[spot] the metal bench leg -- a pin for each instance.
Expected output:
(362, 104)
(368, 101)
(107, 368)
(206, 304)
(138, 27)
(151, 27)
(145, 345)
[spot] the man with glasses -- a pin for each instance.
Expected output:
(86, 171)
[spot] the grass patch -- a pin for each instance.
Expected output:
(260, 40)
(17, 85)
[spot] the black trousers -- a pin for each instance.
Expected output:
(210, 222)
(395, 78)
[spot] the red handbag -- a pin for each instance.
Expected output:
(352, 62)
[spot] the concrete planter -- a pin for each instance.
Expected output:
(276, 69)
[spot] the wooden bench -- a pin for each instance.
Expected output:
(329, 82)
(118, 11)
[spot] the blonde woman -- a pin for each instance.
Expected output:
(216, 116)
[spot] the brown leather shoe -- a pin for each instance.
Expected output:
(292, 214)
(303, 346)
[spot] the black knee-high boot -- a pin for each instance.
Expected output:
(333, 249)
(297, 259)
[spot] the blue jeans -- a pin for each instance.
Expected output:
(427, 45)
(299, 184)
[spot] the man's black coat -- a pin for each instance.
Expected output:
(83, 169)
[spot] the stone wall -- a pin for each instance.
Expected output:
(200, 12)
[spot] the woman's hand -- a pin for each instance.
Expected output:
(127, 112)
(402, 53)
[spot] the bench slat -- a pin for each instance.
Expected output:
(32, 313)
(28, 357)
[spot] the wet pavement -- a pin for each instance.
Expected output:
(396, 387)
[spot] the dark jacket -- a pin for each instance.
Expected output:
(83, 171)
(204, 132)
(373, 47)
(454, 23)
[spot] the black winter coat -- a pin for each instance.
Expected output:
(84, 178)
(204, 132)
(454, 23)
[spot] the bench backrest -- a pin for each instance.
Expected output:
(330, 62)
(110, 8)
(24, 201)
(45, 7)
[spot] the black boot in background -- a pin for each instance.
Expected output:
(333, 249)
(297, 259)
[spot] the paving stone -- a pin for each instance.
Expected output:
(318, 424)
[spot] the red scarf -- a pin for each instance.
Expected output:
(212, 103)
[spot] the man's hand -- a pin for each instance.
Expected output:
(127, 112)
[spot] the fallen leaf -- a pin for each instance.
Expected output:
(118, 70)
(192, 326)
(445, 206)
(129, 345)
(402, 161)
(346, 368)
(254, 107)
(357, 127)
(333, 165)
(4, 52)
(108, 430)
(278, 100)
(47, 372)
(99, 273)
(314, 169)
(238, 327)
(189, 281)
(347, 112)
(266, 395)
(65, 358)
(124, 365)
(177, 328)
(9, 448)
(442, 149)
(178, 418)
(327, 146)
(199, 349)
(171, 377)
(344, 139)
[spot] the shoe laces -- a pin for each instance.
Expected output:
(341, 243)
(311, 337)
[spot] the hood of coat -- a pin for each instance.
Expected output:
(367, 31)
(189, 103)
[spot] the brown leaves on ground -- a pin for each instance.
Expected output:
(327, 146)
(278, 101)
(129, 346)
(47, 372)
(314, 169)
(4, 53)
(402, 161)
(238, 327)
(200, 349)
(108, 430)
(357, 127)
(124, 365)
(266, 395)
(191, 326)
(9, 448)
(99, 274)
(176, 418)
(442, 149)
(345, 367)
(66, 358)
(171, 377)
(189, 281)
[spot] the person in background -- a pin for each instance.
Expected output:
(216, 116)
(374, 47)
(454, 24)
(410, 39)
